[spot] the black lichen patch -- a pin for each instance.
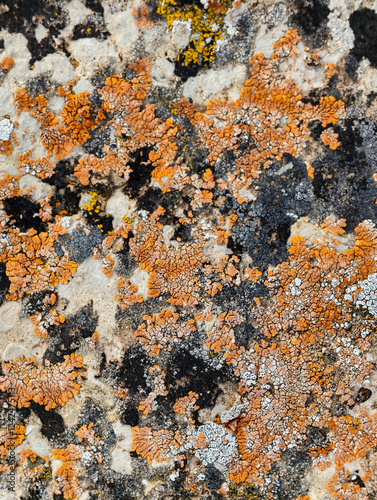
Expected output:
(343, 182)
(130, 416)
(40, 49)
(214, 478)
(154, 198)
(39, 85)
(163, 417)
(101, 221)
(67, 337)
(285, 194)
(186, 71)
(244, 334)
(119, 487)
(69, 202)
(239, 299)
(240, 42)
(94, 5)
(363, 394)
(79, 245)
(37, 492)
(25, 213)
(4, 283)
(23, 16)
(33, 303)
(363, 23)
(141, 172)
(311, 18)
(103, 364)
(97, 141)
(316, 436)
(131, 373)
(351, 65)
(91, 29)
(183, 232)
(289, 474)
(356, 479)
(52, 422)
(186, 372)
(125, 263)
(62, 175)
(150, 200)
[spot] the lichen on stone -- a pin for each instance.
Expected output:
(188, 250)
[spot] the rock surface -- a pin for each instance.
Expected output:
(188, 249)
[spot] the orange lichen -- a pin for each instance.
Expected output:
(186, 405)
(201, 198)
(232, 220)
(257, 114)
(252, 274)
(32, 264)
(93, 341)
(6, 63)
(126, 296)
(47, 384)
(266, 100)
(86, 452)
(45, 212)
(10, 438)
(226, 269)
(330, 138)
(87, 433)
(27, 455)
(330, 70)
(335, 227)
(351, 437)
(108, 266)
(287, 46)
(154, 445)
(222, 236)
(312, 59)
(310, 170)
(172, 269)
(313, 322)
(221, 336)
(121, 393)
(139, 127)
(121, 232)
(6, 147)
(68, 474)
(9, 187)
(162, 331)
(141, 15)
(286, 381)
(43, 321)
(35, 468)
(205, 315)
(101, 168)
(60, 137)
(41, 167)
(310, 315)
(157, 381)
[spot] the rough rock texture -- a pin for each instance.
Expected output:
(188, 249)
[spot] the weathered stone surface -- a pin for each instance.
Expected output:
(188, 249)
